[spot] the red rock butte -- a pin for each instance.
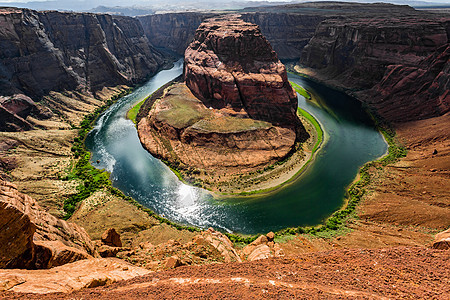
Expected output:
(230, 64)
(236, 109)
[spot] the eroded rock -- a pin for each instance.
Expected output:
(111, 238)
(74, 276)
(442, 240)
(33, 238)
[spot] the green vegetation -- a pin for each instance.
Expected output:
(91, 178)
(301, 90)
(184, 112)
(316, 125)
(132, 113)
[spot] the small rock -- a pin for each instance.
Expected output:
(262, 239)
(435, 152)
(111, 238)
(172, 262)
(108, 251)
(270, 236)
(442, 240)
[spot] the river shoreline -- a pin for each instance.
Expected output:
(260, 182)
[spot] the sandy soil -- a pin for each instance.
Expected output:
(357, 274)
(415, 191)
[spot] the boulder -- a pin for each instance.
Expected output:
(172, 262)
(51, 254)
(442, 240)
(260, 252)
(111, 238)
(108, 251)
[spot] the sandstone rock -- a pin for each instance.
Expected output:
(260, 252)
(111, 238)
(222, 243)
(230, 64)
(442, 240)
(262, 239)
(270, 236)
(398, 65)
(74, 276)
(16, 238)
(51, 254)
(55, 51)
(108, 251)
(23, 224)
(172, 262)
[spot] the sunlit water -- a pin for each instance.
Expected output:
(351, 142)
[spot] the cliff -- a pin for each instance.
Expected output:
(172, 31)
(288, 28)
(54, 51)
(235, 112)
(32, 238)
(399, 65)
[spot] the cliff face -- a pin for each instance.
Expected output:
(400, 64)
(287, 33)
(32, 238)
(173, 31)
(53, 51)
(236, 111)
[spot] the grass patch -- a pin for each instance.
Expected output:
(316, 125)
(301, 90)
(132, 113)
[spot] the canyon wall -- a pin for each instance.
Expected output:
(287, 33)
(54, 51)
(398, 65)
(172, 31)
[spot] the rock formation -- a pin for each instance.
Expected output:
(236, 109)
(172, 31)
(65, 279)
(400, 64)
(442, 240)
(32, 238)
(55, 51)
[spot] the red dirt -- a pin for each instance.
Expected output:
(361, 274)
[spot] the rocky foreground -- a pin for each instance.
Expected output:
(234, 113)
(355, 274)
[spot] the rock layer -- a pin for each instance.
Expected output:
(231, 65)
(32, 238)
(54, 51)
(400, 65)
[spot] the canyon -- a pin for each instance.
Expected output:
(56, 68)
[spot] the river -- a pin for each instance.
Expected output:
(351, 141)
